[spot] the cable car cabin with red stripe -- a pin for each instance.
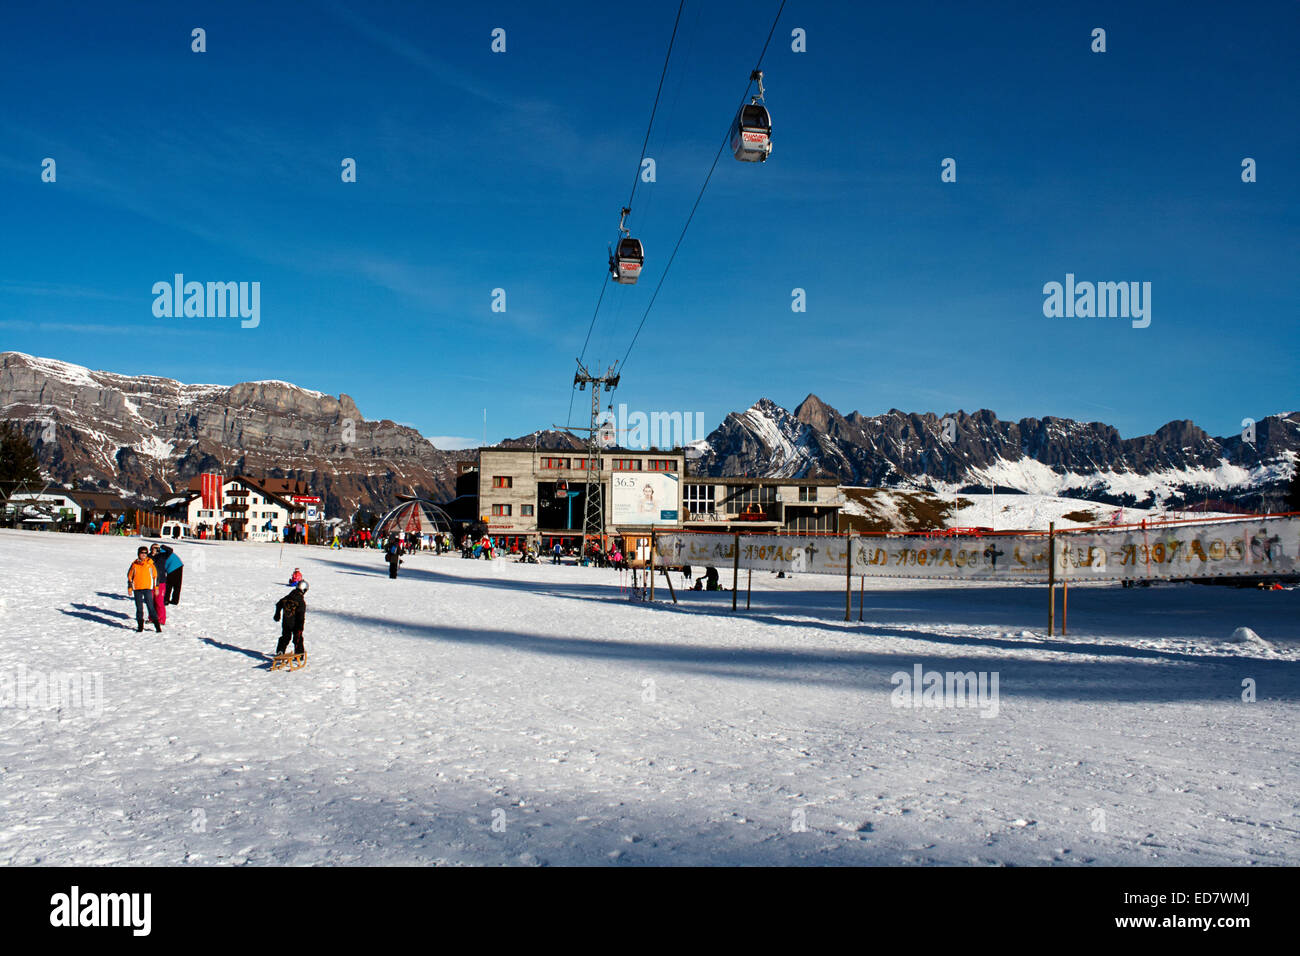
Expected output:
(751, 133)
(626, 262)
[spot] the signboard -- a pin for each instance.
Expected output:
(311, 512)
(306, 500)
(1259, 547)
(644, 498)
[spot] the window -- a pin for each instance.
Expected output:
(660, 464)
(526, 511)
(738, 496)
(501, 511)
(627, 464)
(502, 481)
(555, 462)
(821, 519)
(808, 493)
(698, 499)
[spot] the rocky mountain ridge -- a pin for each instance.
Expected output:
(145, 436)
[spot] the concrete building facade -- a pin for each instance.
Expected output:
(538, 495)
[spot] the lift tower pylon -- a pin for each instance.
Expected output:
(593, 518)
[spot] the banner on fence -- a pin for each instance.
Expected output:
(1263, 546)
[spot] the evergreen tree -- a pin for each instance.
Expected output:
(18, 462)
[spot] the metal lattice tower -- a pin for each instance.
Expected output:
(593, 520)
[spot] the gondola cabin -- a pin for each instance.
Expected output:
(626, 261)
(751, 134)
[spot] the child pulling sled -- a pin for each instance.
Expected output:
(291, 612)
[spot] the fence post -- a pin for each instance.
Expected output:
(1051, 577)
(1065, 605)
(749, 587)
(848, 576)
(735, 570)
(652, 566)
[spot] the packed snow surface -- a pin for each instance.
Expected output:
(475, 712)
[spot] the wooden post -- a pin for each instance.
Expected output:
(1051, 577)
(848, 576)
(652, 566)
(1065, 605)
(735, 569)
(671, 590)
(749, 587)
(862, 593)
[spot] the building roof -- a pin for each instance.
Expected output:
(789, 482)
(98, 500)
(564, 450)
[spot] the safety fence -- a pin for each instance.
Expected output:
(1265, 545)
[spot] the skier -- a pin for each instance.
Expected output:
(174, 569)
(141, 579)
(295, 577)
(291, 612)
(393, 555)
(556, 550)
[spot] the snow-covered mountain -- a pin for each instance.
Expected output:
(146, 435)
(1049, 456)
(143, 435)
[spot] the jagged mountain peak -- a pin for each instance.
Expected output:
(1049, 454)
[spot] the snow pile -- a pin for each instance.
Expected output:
(1252, 641)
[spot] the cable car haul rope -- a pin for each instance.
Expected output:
(750, 138)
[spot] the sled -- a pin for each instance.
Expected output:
(288, 662)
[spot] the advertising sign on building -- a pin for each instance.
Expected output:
(645, 498)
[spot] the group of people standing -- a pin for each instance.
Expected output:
(219, 532)
(154, 580)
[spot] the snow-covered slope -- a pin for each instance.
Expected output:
(591, 730)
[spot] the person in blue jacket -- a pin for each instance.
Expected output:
(172, 568)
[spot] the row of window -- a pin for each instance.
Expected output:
(505, 511)
(696, 498)
(616, 464)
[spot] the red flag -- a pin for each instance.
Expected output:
(210, 490)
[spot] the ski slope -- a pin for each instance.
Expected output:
(476, 712)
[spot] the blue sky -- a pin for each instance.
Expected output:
(479, 171)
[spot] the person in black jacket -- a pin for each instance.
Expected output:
(173, 571)
(291, 612)
(393, 555)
